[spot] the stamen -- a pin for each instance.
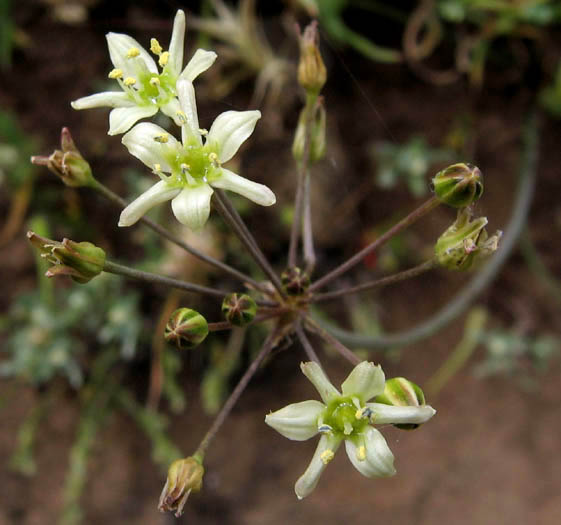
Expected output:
(133, 52)
(347, 428)
(181, 117)
(154, 81)
(158, 171)
(364, 413)
(162, 139)
(185, 170)
(155, 47)
(203, 132)
(115, 73)
(130, 81)
(361, 453)
(324, 429)
(164, 57)
(326, 456)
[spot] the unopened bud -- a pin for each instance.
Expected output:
(239, 309)
(82, 261)
(465, 244)
(67, 163)
(295, 281)
(184, 476)
(458, 185)
(401, 392)
(186, 328)
(311, 69)
(317, 134)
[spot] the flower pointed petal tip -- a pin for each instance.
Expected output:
(111, 99)
(230, 130)
(395, 415)
(258, 193)
(199, 63)
(308, 481)
(370, 455)
(366, 380)
(318, 378)
(157, 194)
(297, 421)
(177, 41)
(192, 206)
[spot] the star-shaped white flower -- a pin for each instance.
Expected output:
(144, 88)
(347, 417)
(194, 164)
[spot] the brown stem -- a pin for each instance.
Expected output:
(348, 354)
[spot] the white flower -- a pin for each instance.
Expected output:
(144, 88)
(194, 164)
(347, 417)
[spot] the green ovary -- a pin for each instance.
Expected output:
(197, 161)
(340, 415)
(160, 94)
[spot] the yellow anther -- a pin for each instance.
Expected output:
(363, 413)
(130, 81)
(154, 81)
(164, 57)
(213, 157)
(326, 456)
(361, 453)
(157, 168)
(181, 117)
(155, 46)
(203, 132)
(133, 52)
(162, 139)
(116, 73)
(185, 168)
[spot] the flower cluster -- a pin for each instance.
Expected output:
(189, 169)
(347, 417)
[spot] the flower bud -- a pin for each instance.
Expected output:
(311, 69)
(295, 281)
(465, 244)
(184, 476)
(401, 392)
(68, 163)
(458, 185)
(82, 261)
(239, 309)
(317, 134)
(186, 328)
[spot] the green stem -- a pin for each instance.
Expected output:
(413, 217)
(235, 395)
(166, 234)
(153, 278)
(379, 283)
(524, 194)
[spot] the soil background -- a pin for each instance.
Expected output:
(491, 455)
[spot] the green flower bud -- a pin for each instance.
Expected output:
(239, 309)
(401, 392)
(184, 476)
(68, 163)
(295, 281)
(317, 134)
(186, 328)
(312, 74)
(458, 185)
(465, 244)
(80, 260)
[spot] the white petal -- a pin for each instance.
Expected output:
(400, 414)
(122, 119)
(308, 481)
(365, 381)
(258, 193)
(297, 421)
(378, 458)
(198, 64)
(157, 194)
(192, 206)
(119, 45)
(171, 108)
(188, 103)
(140, 143)
(177, 42)
(318, 378)
(230, 130)
(111, 99)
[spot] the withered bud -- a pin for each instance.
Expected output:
(184, 476)
(312, 74)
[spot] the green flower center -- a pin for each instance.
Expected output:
(341, 415)
(155, 88)
(192, 164)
